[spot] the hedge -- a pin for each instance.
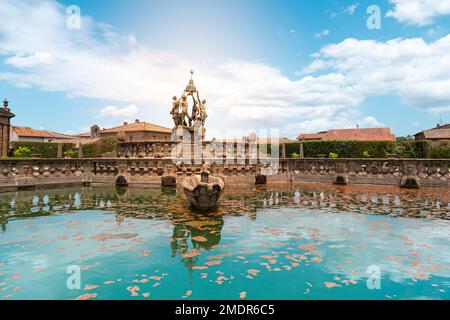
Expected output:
(343, 149)
(99, 147)
(440, 153)
(413, 149)
(366, 149)
(44, 149)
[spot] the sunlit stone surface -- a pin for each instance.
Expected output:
(301, 242)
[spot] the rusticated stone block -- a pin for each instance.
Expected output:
(410, 182)
(341, 179)
(169, 181)
(260, 180)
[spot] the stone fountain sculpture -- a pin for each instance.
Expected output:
(203, 191)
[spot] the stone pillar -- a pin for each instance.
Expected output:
(80, 151)
(283, 151)
(302, 151)
(5, 127)
(59, 154)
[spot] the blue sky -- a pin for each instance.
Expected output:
(298, 66)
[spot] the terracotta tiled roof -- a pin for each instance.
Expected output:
(33, 133)
(437, 134)
(138, 126)
(370, 134)
(84, 135)
(359, 134)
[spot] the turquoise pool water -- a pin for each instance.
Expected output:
(301, 242)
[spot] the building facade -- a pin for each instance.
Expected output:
(439, 136)
(139, 131)
(5, 125)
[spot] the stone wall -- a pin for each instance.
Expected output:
(51, 172)
(426, 173)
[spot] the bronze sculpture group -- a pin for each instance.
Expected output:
(180, 109)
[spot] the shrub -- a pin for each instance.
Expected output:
(44, 149)
(333, 155)
(345, 149)
(403, 148)
(414, 149)
(440, 153)
(295, 156)
(22, 152)
(97, 148)
(71, 154)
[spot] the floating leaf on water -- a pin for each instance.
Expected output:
(191, 254)
(144, 254)
(307, 247)
(90, 287)
(330, 285)
(199, 267)
(213, 263)
(105, 236)
(188, 294)
(87, 296)
(16, 276)
(253, 272)
(199, 239)
(133, 290)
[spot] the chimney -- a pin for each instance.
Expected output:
(438, 126)
(136, 121)
(125, 123)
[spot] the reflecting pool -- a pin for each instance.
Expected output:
(298, 242)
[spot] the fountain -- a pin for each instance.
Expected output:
(203, 191)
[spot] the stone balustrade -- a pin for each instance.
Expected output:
(145, 171)
(165, 149)
(405, 172)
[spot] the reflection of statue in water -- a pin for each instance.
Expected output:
(203, 234)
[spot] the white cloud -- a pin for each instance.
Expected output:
(351, 8)
(418, 12)
(417, 71)
(116, 112)
(99, 62)
(321, 34)
(27, 61)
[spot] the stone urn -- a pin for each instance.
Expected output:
(203, 191)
